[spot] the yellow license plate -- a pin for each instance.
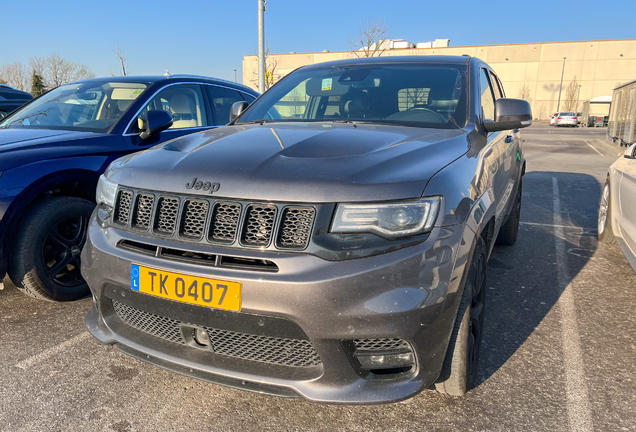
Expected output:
(194, 290)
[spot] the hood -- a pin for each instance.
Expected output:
(301, 162)
(21, 146)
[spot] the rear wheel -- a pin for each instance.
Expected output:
(45, 263)
(462, 358)
(604, 221)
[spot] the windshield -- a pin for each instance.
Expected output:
(422, 95)
(92, 107)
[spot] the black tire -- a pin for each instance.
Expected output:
(604, 219)
(462, 358)
(510, 230)
(45, 261)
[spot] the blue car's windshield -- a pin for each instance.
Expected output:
(425, 95)
(90, 106)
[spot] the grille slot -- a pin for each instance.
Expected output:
(142, 211)
(246, 346)
(193, 219)
(381, 344)
(258, 224)
(122, 212)
(166, 218)
(225, 219)
(164, 328)
(296, 227)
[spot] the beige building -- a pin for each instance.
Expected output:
(598, 67)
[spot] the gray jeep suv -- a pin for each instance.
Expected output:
(330, 242)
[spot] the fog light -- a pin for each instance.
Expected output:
(103, 215)
(381, 361)
(201, 336)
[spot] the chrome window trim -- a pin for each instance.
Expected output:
(127, 133)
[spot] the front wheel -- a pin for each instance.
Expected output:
(604, 220)
(462, 357)
(45, 263)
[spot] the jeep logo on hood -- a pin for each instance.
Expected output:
(200, 184)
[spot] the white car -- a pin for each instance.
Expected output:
(617, 209)
(566, 119)
(553, 119)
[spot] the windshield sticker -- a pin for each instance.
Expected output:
(326, 83)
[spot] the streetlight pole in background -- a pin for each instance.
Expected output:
(561, 86)
(577, 99)
(261, 46)
(235, 76)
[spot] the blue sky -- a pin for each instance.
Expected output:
(210, 37)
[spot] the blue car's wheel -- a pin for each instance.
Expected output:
(45, 262)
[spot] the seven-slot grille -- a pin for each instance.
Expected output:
(206, 220)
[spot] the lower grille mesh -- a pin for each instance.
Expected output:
(156, 325)
(289, 352)
(265, 349)
(381, 344)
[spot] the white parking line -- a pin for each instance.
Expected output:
(46, 354)
(553, 225)
(594, 148)
(578, 402)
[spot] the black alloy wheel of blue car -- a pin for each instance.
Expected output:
(462, 358)
(46, 261)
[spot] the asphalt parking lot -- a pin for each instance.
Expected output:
(559, 352)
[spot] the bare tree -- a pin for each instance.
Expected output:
(122, 59)
(60, 71)
(370, 39)
(16, 75)
(38, 65)
(571, 96)
(271, 76)
(524, 93)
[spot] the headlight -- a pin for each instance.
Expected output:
(105, 191)
(392, 220)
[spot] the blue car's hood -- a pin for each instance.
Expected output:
(311, 162)
(21, 146)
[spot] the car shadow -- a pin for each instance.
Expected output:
(524, 283)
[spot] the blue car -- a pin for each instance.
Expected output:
(11, 99)
(53, 150)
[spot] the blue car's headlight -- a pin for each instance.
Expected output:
(390, 220)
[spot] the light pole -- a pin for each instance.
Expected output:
(261, 46)
(235, 75)
(561, 86)
(577, 98)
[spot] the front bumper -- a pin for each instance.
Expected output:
(411, 294)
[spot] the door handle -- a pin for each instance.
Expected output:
(508, 139)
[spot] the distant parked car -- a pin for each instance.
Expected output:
(53, 150)
(553, 119)
(617, 209)
(11, 99)
(566, 119)
(579, 118)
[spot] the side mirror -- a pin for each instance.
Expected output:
(630, 153)
(237, 109)
(510, 114)
(156, 122)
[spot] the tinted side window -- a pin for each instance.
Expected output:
(248, 98)
(495, 86)
(221, 100)
(487, 98)
(184, 102)
(499, 85)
